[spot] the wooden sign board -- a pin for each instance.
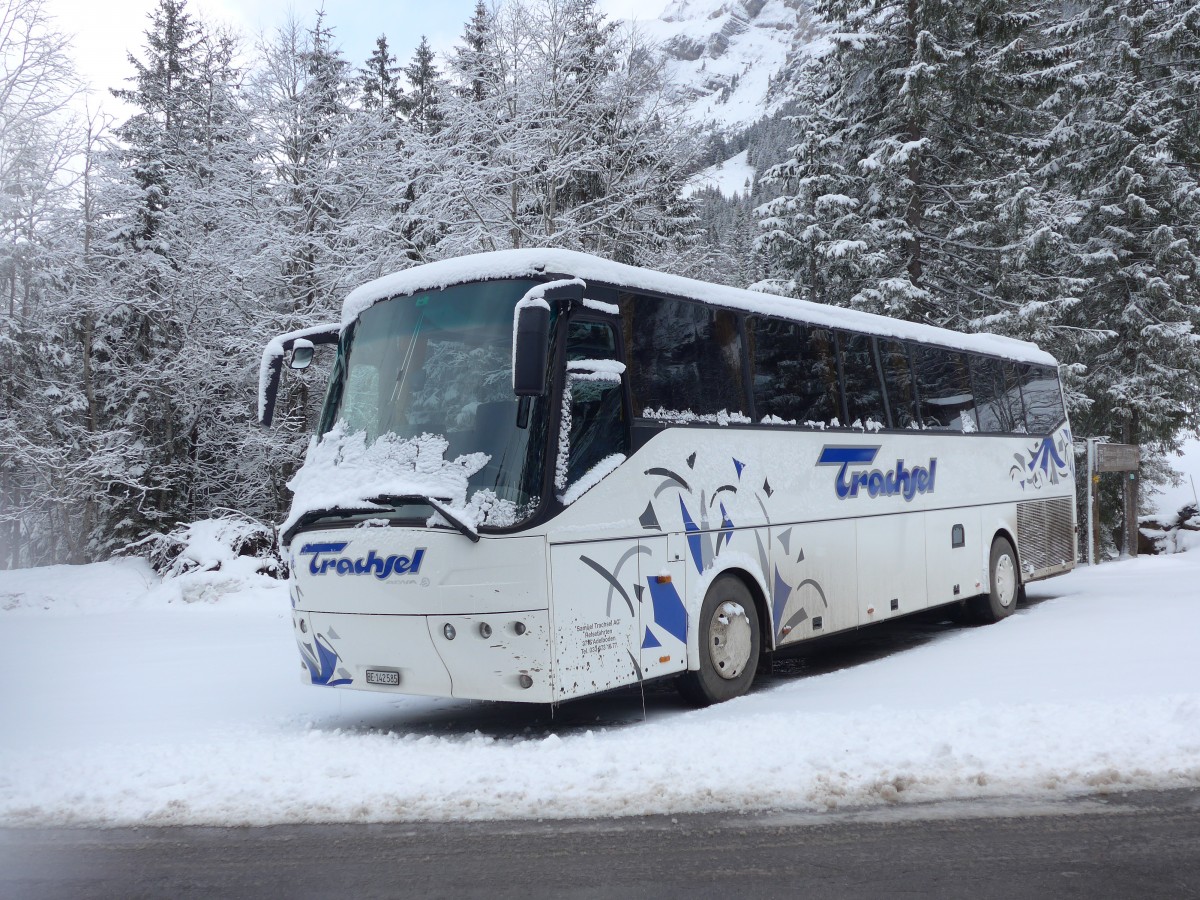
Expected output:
(1117, 457)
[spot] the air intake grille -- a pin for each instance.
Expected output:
(1046, 532)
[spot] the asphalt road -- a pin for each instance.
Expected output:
(1137, 845)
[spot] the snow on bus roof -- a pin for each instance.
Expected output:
(534, 263)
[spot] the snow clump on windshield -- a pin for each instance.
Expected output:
(342, 471)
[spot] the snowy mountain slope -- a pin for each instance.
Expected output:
(170, 712)
(723, 53)
(731, 178)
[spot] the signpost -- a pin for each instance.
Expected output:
(1124, 458)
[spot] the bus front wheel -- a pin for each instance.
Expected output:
(729, 644)
(1004, 585)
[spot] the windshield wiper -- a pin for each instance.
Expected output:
(316, 515)
(441, 508)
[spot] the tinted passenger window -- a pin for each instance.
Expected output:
(1043, 398)
(864, 388)
(997, 396)
(897, 375)
(947, 401)
(795, 373)
(591, 340)
(683, 357)
(597, 419)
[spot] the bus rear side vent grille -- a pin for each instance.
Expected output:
(1046, 533)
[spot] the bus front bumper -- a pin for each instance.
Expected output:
(494, 656)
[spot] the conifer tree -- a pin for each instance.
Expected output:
(1125, 152)
(421, 103)
(473, 59)
(909, 191)
(381, 89)
(162, 132)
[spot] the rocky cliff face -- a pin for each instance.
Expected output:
(723, 53)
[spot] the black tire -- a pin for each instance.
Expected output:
(728, 654)
(1004, 585)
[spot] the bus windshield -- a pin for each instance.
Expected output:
(440, 363)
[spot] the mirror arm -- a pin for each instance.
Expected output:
(271, 366)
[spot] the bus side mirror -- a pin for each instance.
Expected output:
(531, 349)
(531, 334)
(302, 354)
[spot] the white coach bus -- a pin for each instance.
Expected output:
(539, 475)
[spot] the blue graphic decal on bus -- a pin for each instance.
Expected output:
(321, 660)
(323, 560)
(901, 480)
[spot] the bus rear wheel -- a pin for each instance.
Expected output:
(729, 644)
(1004, 585)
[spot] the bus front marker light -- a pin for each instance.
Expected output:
(485, 630)
(303, 627)
(448, 631)
(525, 681)
(519, 627)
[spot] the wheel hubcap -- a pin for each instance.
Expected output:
(1005, 579)
(729, 640)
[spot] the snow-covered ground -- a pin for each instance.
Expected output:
(125, 704)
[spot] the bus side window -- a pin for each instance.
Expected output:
(898, 376)
(594, 403)
(1043, 398)
(794, 375)
(1014, 408)
(992, 400)
(947, 401)
(864, 392)
(683, 357)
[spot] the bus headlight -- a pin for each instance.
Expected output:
(525, 681)
(448, 631)
(485, 630)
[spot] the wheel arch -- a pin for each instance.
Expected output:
(758, 594)
(746, 570)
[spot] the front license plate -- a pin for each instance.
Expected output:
(377, 676)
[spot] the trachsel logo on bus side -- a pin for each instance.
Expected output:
(898, 481)
(325, 558)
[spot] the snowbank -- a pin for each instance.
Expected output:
(117, 585)
(1173, 534)
(194, 714)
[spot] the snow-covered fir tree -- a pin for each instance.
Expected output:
(422, 104)
(1124, 151)
(380, 80)
(909, 191)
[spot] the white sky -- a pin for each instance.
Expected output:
(105, 31)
